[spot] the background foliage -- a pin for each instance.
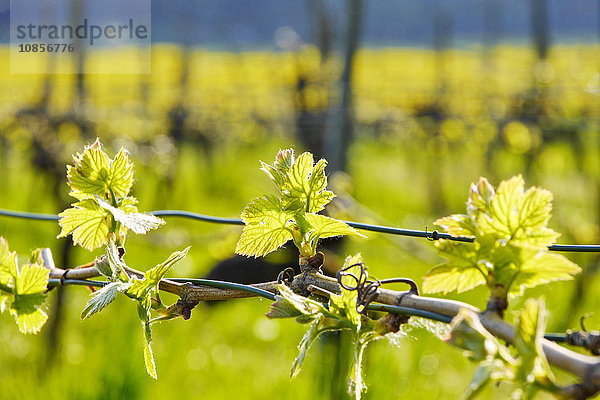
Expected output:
(422, 137)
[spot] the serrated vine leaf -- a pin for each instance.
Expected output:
(141, 289)
(138, 222)
(29, 297)
(446, 278)
(94, 173)
(323, 227)
(510, 250)
(309, 337)
(532, 366)
(301, 304)
(31, 322)
(267, 227)
(543, 268)
(8, 264)
(302, 182)
(102, 298)
(87, 222)
(32, 279)
(458, 225)
(144, 315)
(282, 308)
(527, 369)
(271, 221)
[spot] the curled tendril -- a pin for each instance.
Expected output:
(367, 289)
(286, 276)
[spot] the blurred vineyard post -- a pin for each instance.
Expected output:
(339, 127)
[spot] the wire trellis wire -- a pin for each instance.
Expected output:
(430, 235)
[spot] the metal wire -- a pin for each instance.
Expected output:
(555, 337)
(434, 235)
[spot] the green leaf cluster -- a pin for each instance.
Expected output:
(339, 313)
(525, 365)
(273, 220)
(144, 290)
(23, 289)
(510, 252)
(102, 186)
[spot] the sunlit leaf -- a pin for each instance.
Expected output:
(309, 337)
(87, 222)
(30, 322)
(141, 288)
(280, 169)
(324, 227)
(511, 241)
(148, 354)
(139, 223)
(302, 304)
(446, 278)
(8, 264)
(94, 173)
(32, 278)
(544, 267)
(29, 298)
(504, 211)
(102, 298)
(528, 342)
(457, 225)
(347, 300)
(282, 308)
(267, 227)
(302, 182)
(480, 197)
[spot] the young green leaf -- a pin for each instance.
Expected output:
(144, 315)
(141, 289)
(301, 304)
(102, 298)
(268, 227)
(309, 337)
(282, 308)
(139, 223)
(94, 173)
(532, 366)
(8, 264)
(543, 268)
(29, 297)
(462, 272)
(528, 370)
(356, 384)
(29, 316)
(87, 222)
(302, 182)
(323, 227)
(446, 278)
(271, 221)
(510, 251)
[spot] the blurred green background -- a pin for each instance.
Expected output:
(425, 122)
